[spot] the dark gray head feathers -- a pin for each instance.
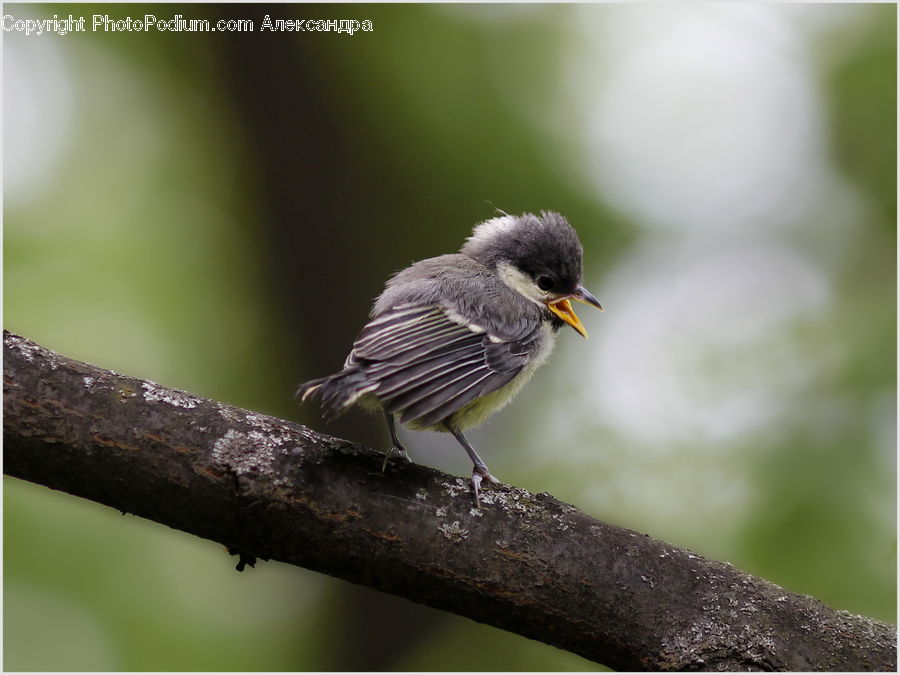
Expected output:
(544, 245)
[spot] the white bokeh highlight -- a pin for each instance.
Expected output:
(38, 115)
(701, 350)
(698, 118)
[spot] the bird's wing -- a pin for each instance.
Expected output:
(428, 362)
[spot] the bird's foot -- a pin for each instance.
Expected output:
(400, 450)
(479, 474)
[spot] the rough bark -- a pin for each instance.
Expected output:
(527, 563)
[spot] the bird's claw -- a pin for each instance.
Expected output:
(479, 475)
(400, 450)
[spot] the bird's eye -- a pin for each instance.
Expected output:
(545, 283)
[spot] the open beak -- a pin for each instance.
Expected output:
(563, 308)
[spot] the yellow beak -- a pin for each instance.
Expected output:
(563, 309)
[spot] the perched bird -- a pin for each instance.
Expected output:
(452, 339)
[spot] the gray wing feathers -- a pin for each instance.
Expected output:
(466, 287)
(409, 346)
(444, 332)
(455, 395)
(426, 366)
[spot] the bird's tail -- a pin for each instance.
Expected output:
(337, 392)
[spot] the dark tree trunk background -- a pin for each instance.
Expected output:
(317, 238)
(291, 99)
(525, 563)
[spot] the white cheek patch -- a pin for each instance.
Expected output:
(522, 284)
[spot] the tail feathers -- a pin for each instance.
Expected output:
(307, 389)
(337, 392)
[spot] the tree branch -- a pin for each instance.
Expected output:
(527, 563)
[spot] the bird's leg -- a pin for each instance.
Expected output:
(479, 469)
(396, 445)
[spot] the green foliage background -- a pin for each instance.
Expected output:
(145, 241)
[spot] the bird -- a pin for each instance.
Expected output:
(452, 339)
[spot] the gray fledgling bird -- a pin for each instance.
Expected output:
(452, 339)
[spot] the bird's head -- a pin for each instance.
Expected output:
(537, 256)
